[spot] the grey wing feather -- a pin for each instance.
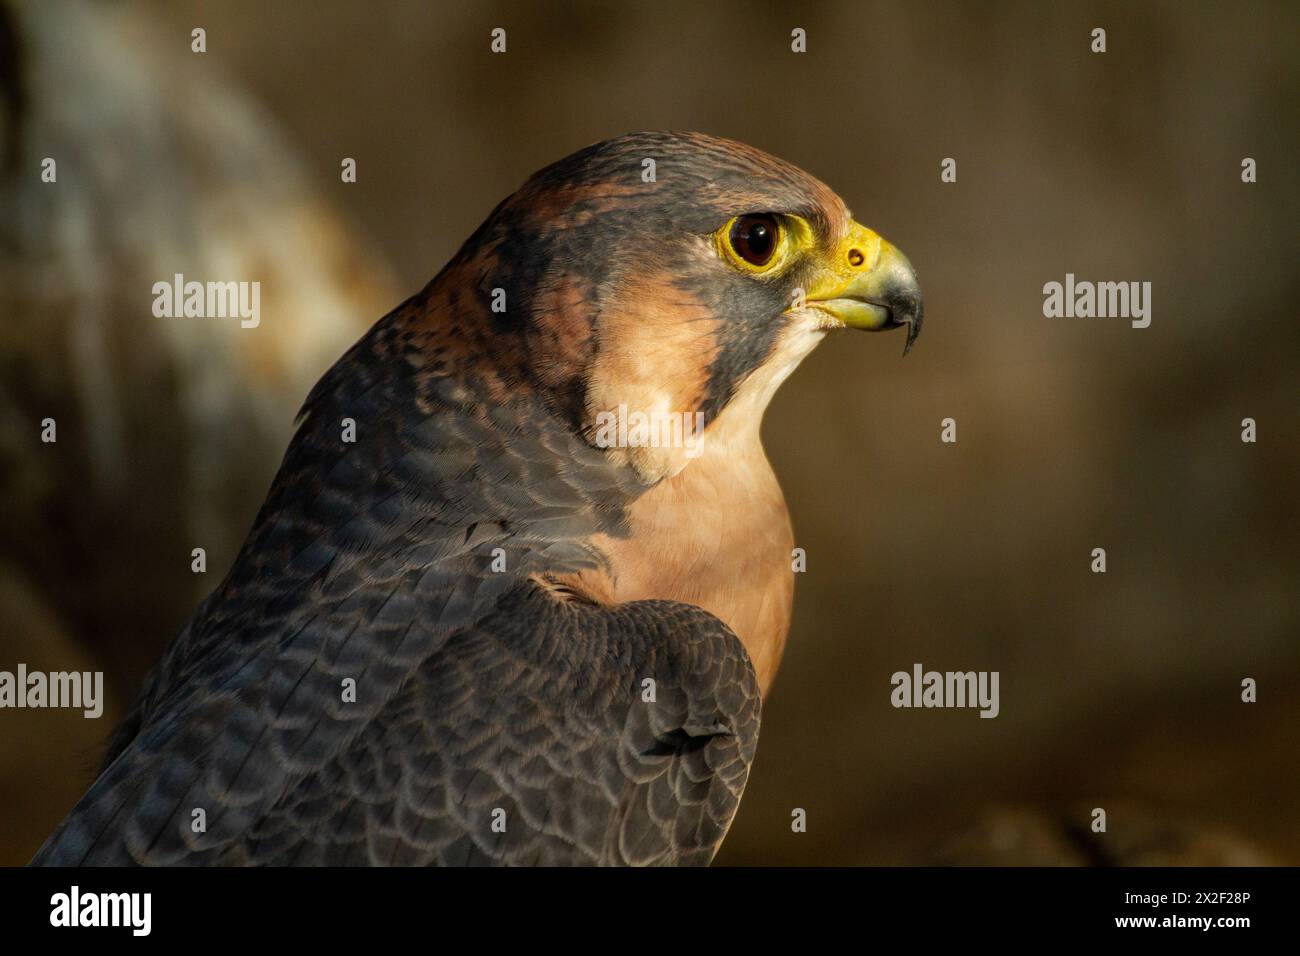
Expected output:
(475, 691)
(528, 738)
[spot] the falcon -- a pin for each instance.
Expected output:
(462, 629)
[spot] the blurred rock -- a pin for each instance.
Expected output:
(1135, 837)
(169, 430)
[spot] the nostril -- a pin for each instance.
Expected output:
(856, 258)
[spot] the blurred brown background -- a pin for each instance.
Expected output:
(1118, 691)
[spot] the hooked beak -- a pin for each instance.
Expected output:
(869, 285)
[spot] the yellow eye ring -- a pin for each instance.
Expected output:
(760, 243)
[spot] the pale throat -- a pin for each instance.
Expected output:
(715, 532)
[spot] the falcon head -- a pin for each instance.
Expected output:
(671, 273)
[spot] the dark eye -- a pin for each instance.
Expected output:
(754, 238)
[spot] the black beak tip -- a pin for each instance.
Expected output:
(908, 310)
